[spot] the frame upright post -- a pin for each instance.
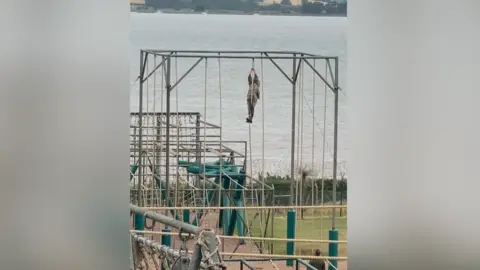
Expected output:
(140, 129)
(333, 233)
(139, 220)
(167, 141)
(292, 150)
(291, 215)
(335, 145)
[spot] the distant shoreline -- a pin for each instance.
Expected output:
(233, 12)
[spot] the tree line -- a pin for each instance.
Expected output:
(249, 6)
(309, 191)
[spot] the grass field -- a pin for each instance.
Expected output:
(313, 226)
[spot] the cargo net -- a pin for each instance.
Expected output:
(148, 254)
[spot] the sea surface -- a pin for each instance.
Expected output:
(316, 35)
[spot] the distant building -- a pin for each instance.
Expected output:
(269, 2)
(139, 6)
(134, 4)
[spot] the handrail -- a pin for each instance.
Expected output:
(306, 264)
(184, 227)
(244, 262)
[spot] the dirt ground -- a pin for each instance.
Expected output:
(231, 246)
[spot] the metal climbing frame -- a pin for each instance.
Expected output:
(297, 59)
(191, 139)
(171, 150)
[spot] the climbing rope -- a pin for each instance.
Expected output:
(221, 130)
(145, 223)
(154, 142)
(205, 192)
(159, 124)
(262, 82)
(177, 124)
(207, 254)
(262, 221)
(323, 148)
(250, 147)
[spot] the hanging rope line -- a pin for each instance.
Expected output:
(205, 193)
(325, 92)
(327, 146)
(177, 124)
(263, 144)
(153, 124)
(301, 113)
(221, 130)
(250, 132)
(147, 138)
(263, 147)
(313, 185)
(160, 126)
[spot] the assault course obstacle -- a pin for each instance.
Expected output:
(172, 152)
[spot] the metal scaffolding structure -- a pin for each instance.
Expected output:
(191, 139)
(162, 139)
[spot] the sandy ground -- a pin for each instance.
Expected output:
(229, 245)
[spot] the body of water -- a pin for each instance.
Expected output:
(317, 35)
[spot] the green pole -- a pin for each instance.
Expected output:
(333, 248)
(186, 216)
(166, 240)
(139, 221)
(226, 214)
(291, 218)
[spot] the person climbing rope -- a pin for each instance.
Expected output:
(253, 94)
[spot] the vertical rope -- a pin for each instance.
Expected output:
(147, 139)
(205, 193)
(221, 132)
(177, 181)
(302, 94)
(250, 145)
(262, 82)
(312, 188)
(153, 131)
(160, 129)
(302, 113)
(324, 145)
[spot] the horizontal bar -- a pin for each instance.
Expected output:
(188, 228)
(306, 264)
(164, 114)
(229, 51)
(275, 257)
(173, 135)
(190, 190)
(209, 142)
(254, 238)
(249, 207)
(250, 57)
(165, 126)
(256, 260)
(247, 264)
(280, 256)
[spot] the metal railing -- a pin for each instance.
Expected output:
(205, 255)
